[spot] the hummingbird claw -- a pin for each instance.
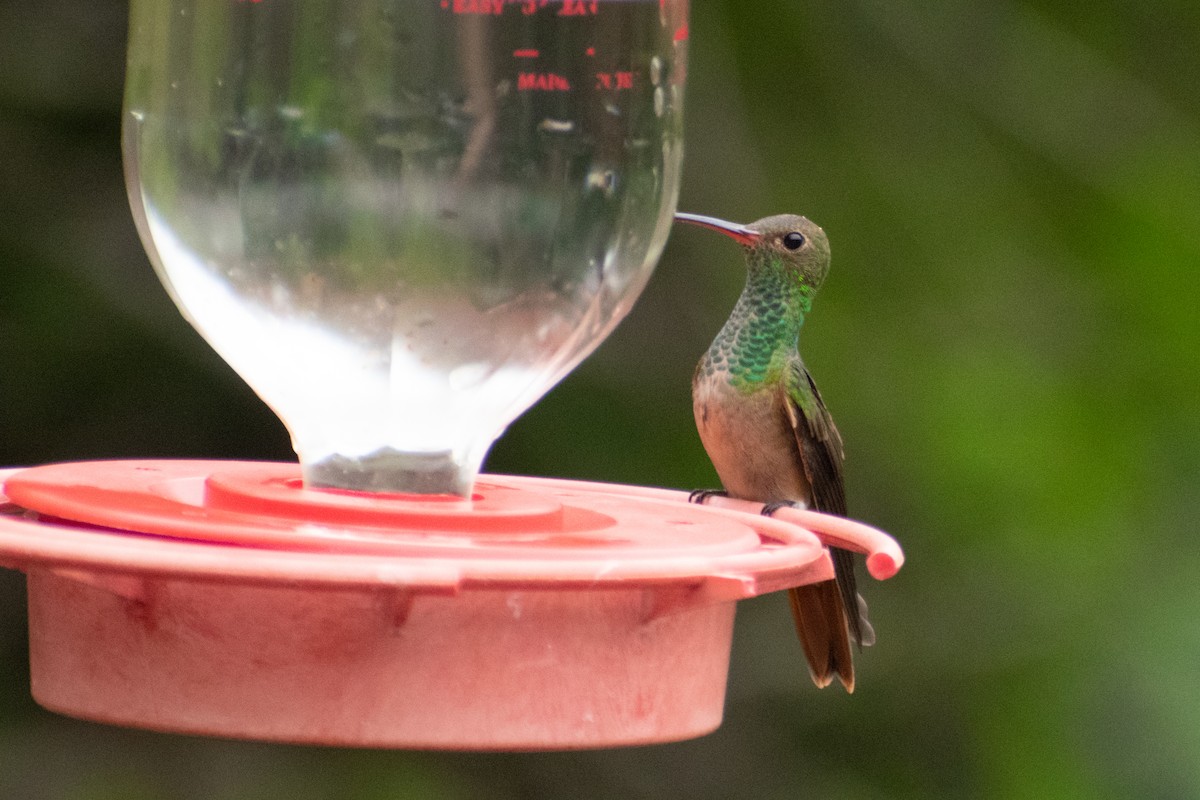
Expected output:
(700, 496)
(769, 509)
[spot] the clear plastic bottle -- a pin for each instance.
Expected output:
(402, 221)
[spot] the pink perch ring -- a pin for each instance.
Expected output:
(884, 555)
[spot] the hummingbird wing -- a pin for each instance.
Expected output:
(817, 439)
(821, 454)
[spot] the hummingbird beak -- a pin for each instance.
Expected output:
(739, 233)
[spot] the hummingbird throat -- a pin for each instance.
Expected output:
(763, 331)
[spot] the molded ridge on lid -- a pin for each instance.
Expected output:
(273, 490)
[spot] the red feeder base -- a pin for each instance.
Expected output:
(224, 599)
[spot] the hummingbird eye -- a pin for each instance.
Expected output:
(793, 241)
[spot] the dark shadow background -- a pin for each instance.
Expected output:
(1009, 342)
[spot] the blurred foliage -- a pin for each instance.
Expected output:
(1009, 341)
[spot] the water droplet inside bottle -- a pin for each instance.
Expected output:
(468, 376)
(549, 125)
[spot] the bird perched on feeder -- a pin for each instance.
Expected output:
(765, 427)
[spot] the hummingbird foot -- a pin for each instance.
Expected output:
(769, 509)
(700, 496)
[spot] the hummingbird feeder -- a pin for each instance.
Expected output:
(401, 224)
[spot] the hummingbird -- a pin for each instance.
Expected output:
(765, 427)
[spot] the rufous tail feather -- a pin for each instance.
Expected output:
(823, 631)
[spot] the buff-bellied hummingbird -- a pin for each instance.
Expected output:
(765, 427)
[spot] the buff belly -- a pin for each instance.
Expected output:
(749, 441)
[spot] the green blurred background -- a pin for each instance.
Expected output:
(1009, 341)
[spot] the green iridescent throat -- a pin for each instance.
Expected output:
(764, 329)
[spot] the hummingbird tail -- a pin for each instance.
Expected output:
(853, 604)
(823, 631)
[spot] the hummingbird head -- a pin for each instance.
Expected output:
(789, 242)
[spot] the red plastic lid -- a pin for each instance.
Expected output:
(514, 530)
